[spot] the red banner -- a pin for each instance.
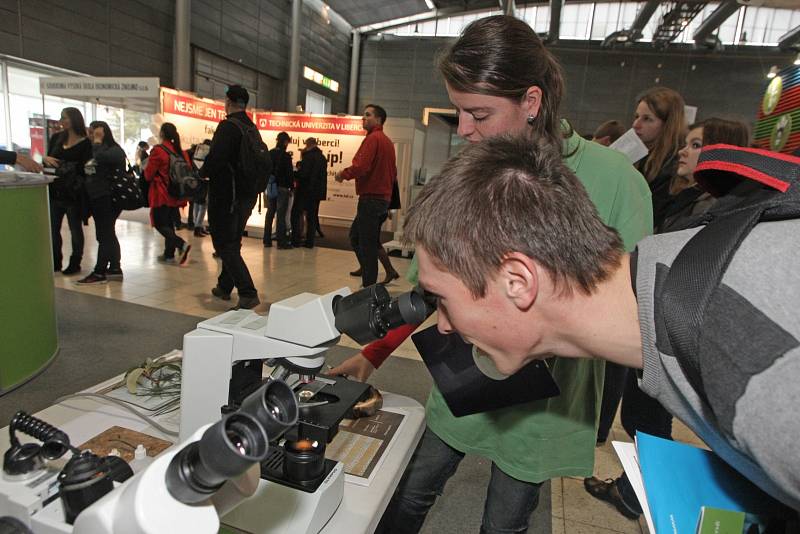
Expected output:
(321, 124)
(192, 107)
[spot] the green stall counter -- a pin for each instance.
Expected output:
(28, 335)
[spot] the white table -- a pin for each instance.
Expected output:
(361, 507)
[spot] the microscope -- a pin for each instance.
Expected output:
(256, 416)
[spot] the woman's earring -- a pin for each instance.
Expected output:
(531, 118)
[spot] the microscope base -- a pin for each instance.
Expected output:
(279, 509)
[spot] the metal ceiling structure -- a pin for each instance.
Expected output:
(369, 16)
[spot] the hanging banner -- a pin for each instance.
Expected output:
(195, 118)
(337, 136)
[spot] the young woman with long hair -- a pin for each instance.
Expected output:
(108, 161)
(67, 152)
(163, 207)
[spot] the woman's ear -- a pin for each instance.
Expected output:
(532, 101)
(520, 280)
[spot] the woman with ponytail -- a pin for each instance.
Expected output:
(502, 80)
(163, 207)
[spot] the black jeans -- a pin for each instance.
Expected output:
(304, 203)
(227, 228)
(640, 413)
(613, 385)
(509, 502)
(105, 218)
(277, 206)
(365, 236)
(164, 221)
(59, 208)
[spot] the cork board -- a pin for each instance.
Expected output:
(125, 441)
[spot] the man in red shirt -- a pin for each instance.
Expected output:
(374, 171)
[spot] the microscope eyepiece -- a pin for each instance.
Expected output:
(274, 405)
(369, 314)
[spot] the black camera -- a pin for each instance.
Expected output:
(369, 314)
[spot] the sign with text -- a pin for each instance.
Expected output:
(99, 87)
(337, 136)
(195, 118)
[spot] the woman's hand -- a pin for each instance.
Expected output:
(50, 161)
(356, 367)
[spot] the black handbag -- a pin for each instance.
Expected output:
(125, 191)
(394, 203)
(68, 182)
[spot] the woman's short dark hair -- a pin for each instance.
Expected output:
(76, 122)
(503, 56)
(170, 133)
(108, 137)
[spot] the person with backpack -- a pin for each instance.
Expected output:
(708, 315)
(162, 167)
(237, 166)
(107, 163)
(312, 188)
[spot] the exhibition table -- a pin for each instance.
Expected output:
(28, 336)
(360, 509)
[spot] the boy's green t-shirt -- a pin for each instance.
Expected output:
(556, 437)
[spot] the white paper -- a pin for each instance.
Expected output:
(691, 113)
(630, 463)
(630, 145)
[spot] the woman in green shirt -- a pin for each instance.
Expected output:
(501, 79)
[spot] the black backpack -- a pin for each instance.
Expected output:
(758, 186)
(184, 181)
(255, 164)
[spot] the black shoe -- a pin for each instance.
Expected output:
(93, 278)
(198, 232)
(220, 293)
(184, 249)
(247, 303)
(284, 246)
(308, 245)
(319, 233)
(394, 275)
(356, 273)
(606, 490)
(267, 244)
(72, 268)
(56, 268)
(114, 274)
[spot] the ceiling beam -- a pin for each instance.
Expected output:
(790, 39)
(633, 33)
(703, 37)
(508, 7)
(555, 21)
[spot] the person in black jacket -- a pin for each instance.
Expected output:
(312, 188)
(67, 152)
(108, 162)
(227, 212)
(282, 170)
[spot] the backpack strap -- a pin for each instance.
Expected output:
(699, 267)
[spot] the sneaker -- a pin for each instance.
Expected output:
(163, 259)
(93, 278)
(247, 303)
(114, 274)
(185, 248)
(220, 293)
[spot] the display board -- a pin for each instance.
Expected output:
(778, 121)
(337, 136)
(195, 118)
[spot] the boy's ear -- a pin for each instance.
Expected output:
(519, 276)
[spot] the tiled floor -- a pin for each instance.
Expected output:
(283, 273)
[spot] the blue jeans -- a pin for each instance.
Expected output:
(509, 502)
(279, 206)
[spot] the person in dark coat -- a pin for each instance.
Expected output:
(282, 170)
(228, 213)
(67, 152)
(312, 188)
(108, 162)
